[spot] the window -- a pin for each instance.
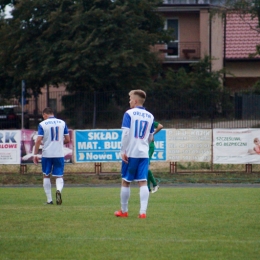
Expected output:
(173, 47)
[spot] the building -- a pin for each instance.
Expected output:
(200, 29)
(241, 38)
(196, 33)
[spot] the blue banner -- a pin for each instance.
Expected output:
(97, 145)
(160, 146)
(104, 146)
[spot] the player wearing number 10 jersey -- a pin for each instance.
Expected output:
(53, 133)
(137, 133)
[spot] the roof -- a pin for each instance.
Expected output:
(242, 36)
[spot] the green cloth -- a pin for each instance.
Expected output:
(150, 177)
(151, 145)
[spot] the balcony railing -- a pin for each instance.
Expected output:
(194, 2)
(177, 51)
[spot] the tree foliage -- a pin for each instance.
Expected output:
(182, 92)
(249, 6)
(91, 45)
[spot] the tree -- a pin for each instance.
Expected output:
(91, 45)
(198, 93)
(249, 6)
(22, 55)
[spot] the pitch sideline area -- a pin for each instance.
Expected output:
(183, 222)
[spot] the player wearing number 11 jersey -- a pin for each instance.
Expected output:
(137, 133)
(53, 133)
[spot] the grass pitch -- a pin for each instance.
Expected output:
(181, 223)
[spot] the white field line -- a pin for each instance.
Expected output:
(173, 240)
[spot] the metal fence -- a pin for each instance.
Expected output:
(158, 168)
(99, 110)
(104, 110)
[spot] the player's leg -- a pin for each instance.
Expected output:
(46, 169)
(124, 196)
(149, 174)
(151, 178)
(144, 197)
(144, 192)
(155, 185)
(149, 182)
(127, 177)
(58, 170)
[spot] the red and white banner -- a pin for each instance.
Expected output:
(10, 146)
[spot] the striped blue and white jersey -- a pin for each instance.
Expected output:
(140, 124)
(53, 131)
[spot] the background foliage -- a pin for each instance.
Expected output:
(89, 45)
(95, 46)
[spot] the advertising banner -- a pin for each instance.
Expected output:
(97, 145)
(159, 146)
(104, 145)
(10, 146)
(236, 146)
(230, 146)
(28, 142)
(188, 145)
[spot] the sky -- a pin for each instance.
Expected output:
(8, 8)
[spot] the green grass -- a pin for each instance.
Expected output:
(181, 223)
(107, 179)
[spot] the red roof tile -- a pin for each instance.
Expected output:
(242, 36)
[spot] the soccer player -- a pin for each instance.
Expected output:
(53, 133)
(150, 178)
(137, 133)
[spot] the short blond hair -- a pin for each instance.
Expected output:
(139, 93)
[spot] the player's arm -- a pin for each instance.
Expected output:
(124, 142)
(66, 139)
(159, 127)
(150, 138)
(66, 135)
(36, 148)
(126, 124)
